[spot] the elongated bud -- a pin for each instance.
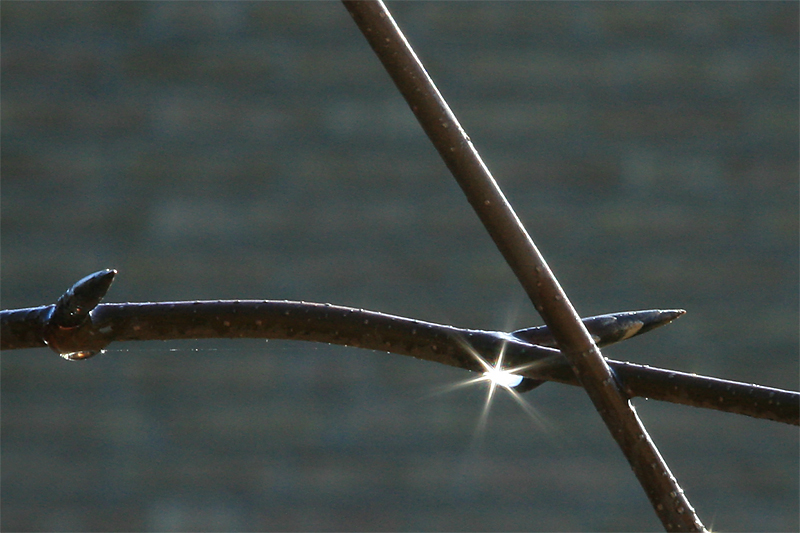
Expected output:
(607, 329)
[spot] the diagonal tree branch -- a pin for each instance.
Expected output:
(519, 251)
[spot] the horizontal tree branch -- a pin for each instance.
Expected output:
(458, 347)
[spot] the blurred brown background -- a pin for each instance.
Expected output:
(258, 150)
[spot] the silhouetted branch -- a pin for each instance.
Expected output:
(519, 251)
(458, 347)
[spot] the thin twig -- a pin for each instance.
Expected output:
(358, 328)
(519, 251)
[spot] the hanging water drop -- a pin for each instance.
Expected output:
(503, 378)
(79, 356)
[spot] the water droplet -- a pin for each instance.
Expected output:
(503, 378)
(79, 356)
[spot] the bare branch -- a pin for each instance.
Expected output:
(519, 251)
(358, 328)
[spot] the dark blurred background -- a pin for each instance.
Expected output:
(258, 150)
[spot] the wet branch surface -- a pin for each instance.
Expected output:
(359, 328)
(498, 217)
